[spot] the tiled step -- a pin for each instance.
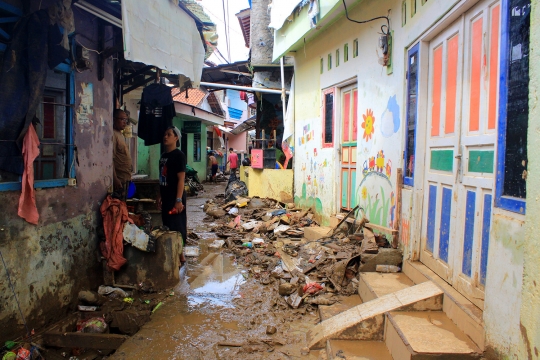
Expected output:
(344, 303)
(423, 335)
(369, 313)
(357, 350)
(374, 285)
(463, 313)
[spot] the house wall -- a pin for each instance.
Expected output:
(49, 263)
(199, 166)
(383, 95)
(530, 304)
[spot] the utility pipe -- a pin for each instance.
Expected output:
(242, 88)
(283, 91)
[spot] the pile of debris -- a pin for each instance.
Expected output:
(106, 318)
(283, 246)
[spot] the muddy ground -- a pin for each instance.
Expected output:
(218, 311)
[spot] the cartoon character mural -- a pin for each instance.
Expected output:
(379, 162)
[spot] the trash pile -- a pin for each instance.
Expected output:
(105, 319)
(280, 246)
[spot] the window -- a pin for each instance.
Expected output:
(197, 147)
(54, 164)
(412, 109)
(328, 117)
(322, 65)
(513, 106)
(355, 48)
(345, 52)
(337, 57)
(404, 13)
(329, 61)
(413, 8)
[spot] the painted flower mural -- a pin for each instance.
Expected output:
(367, 125)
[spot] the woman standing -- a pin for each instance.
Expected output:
(172, 170)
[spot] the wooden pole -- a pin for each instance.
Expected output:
(395, 240)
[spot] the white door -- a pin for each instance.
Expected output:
(460, 143)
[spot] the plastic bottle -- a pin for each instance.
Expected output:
(173, 211)
(387, 268)
(247, 244)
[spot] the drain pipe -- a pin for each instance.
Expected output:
(283, 92)
(244, 88)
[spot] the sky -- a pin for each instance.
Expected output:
(238, 49)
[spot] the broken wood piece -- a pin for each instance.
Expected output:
(381, 228)
(348, 319)
(230, 344)
(314, 265)
(369, 244)
(294, 301)
(333, 246)
(84, 340)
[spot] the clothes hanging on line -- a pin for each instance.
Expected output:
(156, 113)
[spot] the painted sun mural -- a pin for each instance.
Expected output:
(367, 125)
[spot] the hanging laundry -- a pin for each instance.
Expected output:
(27, 201)
(313, 11)
(156, 114)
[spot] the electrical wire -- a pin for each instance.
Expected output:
(226, 34)
(387, 26)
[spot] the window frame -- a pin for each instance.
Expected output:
(332, 91)
(409, 180)
(63, 182)
(504, 202)
(346, 52)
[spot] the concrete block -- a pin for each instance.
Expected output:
(385, 257)
(158, 270)
(316, 232)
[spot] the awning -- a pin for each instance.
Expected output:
(190, 112)
(245, 126)
(281, 10)
(161, 34)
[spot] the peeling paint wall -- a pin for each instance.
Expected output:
(49, 263)
(274, 184)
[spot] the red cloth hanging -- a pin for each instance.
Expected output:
(115, 215)
(27, 200)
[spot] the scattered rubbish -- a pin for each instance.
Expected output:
(270, 330)
(191, 251)
(387, 268)
(286, 289)
(157, 307)
(281, 228)
(233, 211)
(217, 244)
(95, 325)
(9, 356)
(23, 354)
(10, 344)
(312, 288)
(138, 238)
(86, 308)
(89, 297)
(276, 212)
(128, 300)
(112, 291)
(247, 244)
(257, 241)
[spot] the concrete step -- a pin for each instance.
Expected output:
(357, 350)
(423, 335)
(373, 285)
(344, 303)
(467, 316)
(370, 313)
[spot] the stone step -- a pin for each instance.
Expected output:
(467, 316)
(423, 335)
(374, 285)
(357, 350)
(369, 313)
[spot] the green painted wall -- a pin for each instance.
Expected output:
(530, 305)
(148, 156)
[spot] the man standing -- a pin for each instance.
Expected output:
(121, 158)
(233, 160)
(214, 164)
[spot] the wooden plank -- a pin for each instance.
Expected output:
(397, 216)
(337, 324)
(83, 340)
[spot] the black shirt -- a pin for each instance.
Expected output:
(170, 165)
(156, 113)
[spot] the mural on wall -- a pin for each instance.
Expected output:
(368, 125)
(390, 120)
(312, 169)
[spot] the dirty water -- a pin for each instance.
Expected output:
(216, 302)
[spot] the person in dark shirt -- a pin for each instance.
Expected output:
(172, 173)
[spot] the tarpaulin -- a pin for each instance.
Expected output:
(115, 214)
(159, 33)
